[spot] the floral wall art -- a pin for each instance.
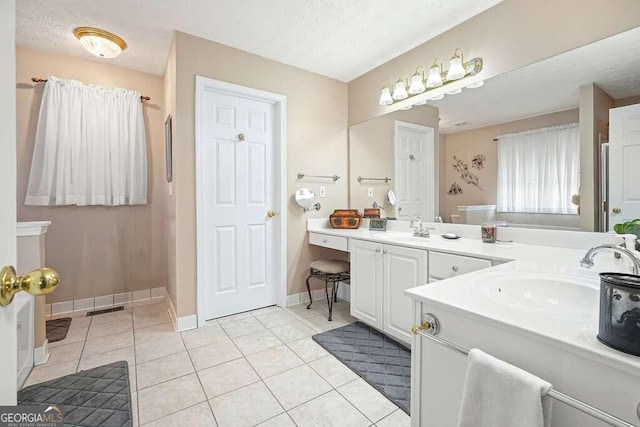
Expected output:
(465, 173)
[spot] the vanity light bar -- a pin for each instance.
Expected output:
(405, 88)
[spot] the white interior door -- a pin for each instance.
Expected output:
(414, 170)
(624, 158)
(8, 325)
(236, 192)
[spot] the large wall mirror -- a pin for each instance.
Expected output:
(535, 147)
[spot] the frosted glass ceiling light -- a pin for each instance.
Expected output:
(435, 74)
(385, 96)
(100, 43)
(477, 84)
(400, 90)
(456, 68)
(417, 82)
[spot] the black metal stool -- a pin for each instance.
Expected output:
(331, 272)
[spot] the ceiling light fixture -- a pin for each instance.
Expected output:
(100, 43)
(437, 77)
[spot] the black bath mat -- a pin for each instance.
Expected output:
(379, 360)
(95, 397)
(57, 329)
(105, 310)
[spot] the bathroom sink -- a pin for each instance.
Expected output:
(557, 296)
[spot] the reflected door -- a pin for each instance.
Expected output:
(624, 158)
(414, 171)
(236, 192)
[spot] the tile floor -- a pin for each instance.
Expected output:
(255, 368)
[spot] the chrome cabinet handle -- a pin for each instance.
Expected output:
(324, 240)
(384, 252)
(455, 268)
(377, 250)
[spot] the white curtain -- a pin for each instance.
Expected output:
(90, 147)
(538, 170)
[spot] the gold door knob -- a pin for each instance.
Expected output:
(271, 213)
(38, 282)
(616, 210)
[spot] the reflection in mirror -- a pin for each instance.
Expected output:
(306, 199)
(563, 113)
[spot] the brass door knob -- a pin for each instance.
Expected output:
(38, 282)
(271, 213)
(616, 210)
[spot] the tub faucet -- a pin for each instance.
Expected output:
(587, 260)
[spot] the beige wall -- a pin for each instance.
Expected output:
(96, 250)
(465, 145)
(631, 100)
(594, 127)
(170, 108)
(316, 143)
(371, 154)
(512, 34)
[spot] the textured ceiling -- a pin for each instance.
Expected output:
(337, 38)
(547, 86)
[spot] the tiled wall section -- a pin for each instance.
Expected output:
(105, 301)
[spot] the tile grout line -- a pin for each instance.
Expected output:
(215, 420)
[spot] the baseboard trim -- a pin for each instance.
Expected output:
(104, 301)
(41, 354)
(344, 293)
(180, 324)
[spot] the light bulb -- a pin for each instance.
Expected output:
(400, 91)
(417, 85)
(385, 96)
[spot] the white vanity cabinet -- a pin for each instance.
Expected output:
(380, 274)
(366, 281)
(443, 265)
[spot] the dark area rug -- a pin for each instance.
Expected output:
(96, 397)
(379, 360)
(57, 329)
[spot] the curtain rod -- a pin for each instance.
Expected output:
(39, 80)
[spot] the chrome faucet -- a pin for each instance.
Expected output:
(419, 230)
(587, 260)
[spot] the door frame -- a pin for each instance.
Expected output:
(430, 162)
(280, 180)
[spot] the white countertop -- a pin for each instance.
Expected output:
(453, 294)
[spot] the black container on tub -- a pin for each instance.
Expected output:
(620, 312)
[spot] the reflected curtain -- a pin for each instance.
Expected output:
(90, 147)
(538, 170)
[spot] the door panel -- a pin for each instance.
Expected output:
(414, 170)
(624, 157)
(404, 268)
(366, 282)
(235, 192)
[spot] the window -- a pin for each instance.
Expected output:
(538, 170)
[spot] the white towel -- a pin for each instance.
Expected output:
(497, 394)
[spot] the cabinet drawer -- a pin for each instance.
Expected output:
(333, 242)
(443, 266)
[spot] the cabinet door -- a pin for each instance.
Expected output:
(404, 268)
(366, 281)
